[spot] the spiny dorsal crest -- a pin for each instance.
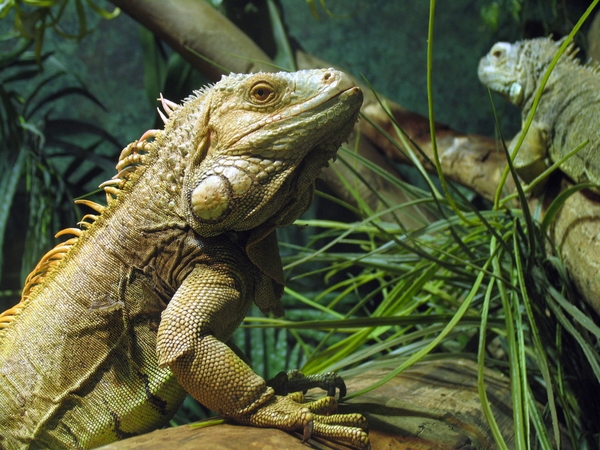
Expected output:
(131, 159)
(541, 51)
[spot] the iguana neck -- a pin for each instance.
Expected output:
(549, 90)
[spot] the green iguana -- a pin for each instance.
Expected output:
(568, 115)
(117, 323)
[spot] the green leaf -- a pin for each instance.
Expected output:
(5, 7)
(64, 127)
(41, 3)
(61, 94)
(313, 8)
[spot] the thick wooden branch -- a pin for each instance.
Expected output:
(194, 24)
(470, 160)
(576, 235)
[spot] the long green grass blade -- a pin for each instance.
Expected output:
(428, 348)
(485, 403)
(284, 55)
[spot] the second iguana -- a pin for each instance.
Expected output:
(118, 322)
(568, 114)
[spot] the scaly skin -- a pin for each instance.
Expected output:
(136, 310)
(568, 113)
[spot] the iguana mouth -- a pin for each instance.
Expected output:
(330, 143)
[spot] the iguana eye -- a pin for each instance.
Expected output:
(262, 92)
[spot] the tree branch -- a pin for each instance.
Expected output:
(194, 24)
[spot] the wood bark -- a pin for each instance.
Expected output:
(195, 25)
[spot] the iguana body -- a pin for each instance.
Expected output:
(568, 113)
(116, 324)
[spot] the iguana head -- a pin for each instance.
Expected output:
(260, 142)
(514, 70)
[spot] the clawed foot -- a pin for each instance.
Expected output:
(314, 418)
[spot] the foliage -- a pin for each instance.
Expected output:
(34, 17)
(492, 13)
(454, 286)
(532, 18)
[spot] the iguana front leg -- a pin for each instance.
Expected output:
(530, 162)
(207, 307)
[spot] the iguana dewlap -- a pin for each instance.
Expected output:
(568, 114)
(117, 323)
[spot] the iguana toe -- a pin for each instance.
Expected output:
(355, 436)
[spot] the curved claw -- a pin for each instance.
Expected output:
(308, 430)
(329, 381)
(339, 383)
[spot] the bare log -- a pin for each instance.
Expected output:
(474, 161)
(193, 24)
(576, 235)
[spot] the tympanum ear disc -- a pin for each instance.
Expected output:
(213, 196)
(210, 199)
